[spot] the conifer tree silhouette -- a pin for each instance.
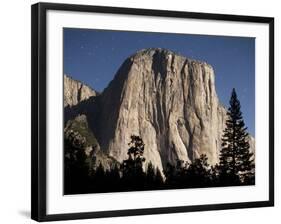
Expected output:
(159, 182)
(150, 175)
(133, 174)
(235, 158)
(75, 169)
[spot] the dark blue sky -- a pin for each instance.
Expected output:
(94, 56)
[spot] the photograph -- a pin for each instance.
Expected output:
(146, 111)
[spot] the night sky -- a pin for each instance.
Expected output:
(94, 56)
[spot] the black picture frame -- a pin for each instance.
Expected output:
(39, 123)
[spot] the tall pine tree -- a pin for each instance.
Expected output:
(235, 158)
(133, 174)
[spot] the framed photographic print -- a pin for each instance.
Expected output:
(138, 111)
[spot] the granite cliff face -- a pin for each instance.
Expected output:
(167, 99)
(75, 92)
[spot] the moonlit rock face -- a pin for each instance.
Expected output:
(75, 92)
(168, 100)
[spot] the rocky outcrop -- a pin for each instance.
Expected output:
(75, 92)
(80, 125)
(77, 135)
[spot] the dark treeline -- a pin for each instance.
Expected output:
(236, 165)
(127, 176)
